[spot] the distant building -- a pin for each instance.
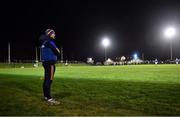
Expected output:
(90, 61)
(109, 62)
(135, 61)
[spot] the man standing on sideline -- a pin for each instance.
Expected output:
(49, 53)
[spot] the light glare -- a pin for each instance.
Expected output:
(170, 32)
(135, 56)
(105, 42)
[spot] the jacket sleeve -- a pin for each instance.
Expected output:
(53, 47)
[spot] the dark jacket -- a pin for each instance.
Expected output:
(49, 52)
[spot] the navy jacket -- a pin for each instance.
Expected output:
(48, 49)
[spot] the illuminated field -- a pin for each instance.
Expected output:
(93, 90)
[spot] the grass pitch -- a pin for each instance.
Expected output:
(93, 90)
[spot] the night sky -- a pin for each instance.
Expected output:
(132, 26)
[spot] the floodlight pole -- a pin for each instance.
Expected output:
(171, 53)
(105, 43)
(170, 33)
(105, 53)
(9, 53)
(40, 54)
(62, 54)
(36, 53)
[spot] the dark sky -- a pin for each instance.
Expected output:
(132, 25)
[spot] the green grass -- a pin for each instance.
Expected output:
(93, 90)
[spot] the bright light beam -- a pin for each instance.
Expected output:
(105, 42)
(135, 56)
(170, 32)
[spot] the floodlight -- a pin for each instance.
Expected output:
(135, 56)
(170, 32)
(105, 42)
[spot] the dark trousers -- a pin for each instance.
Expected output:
(49, 70)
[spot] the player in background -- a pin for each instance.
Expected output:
(49, 53)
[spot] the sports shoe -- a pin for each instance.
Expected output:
(53, 102)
